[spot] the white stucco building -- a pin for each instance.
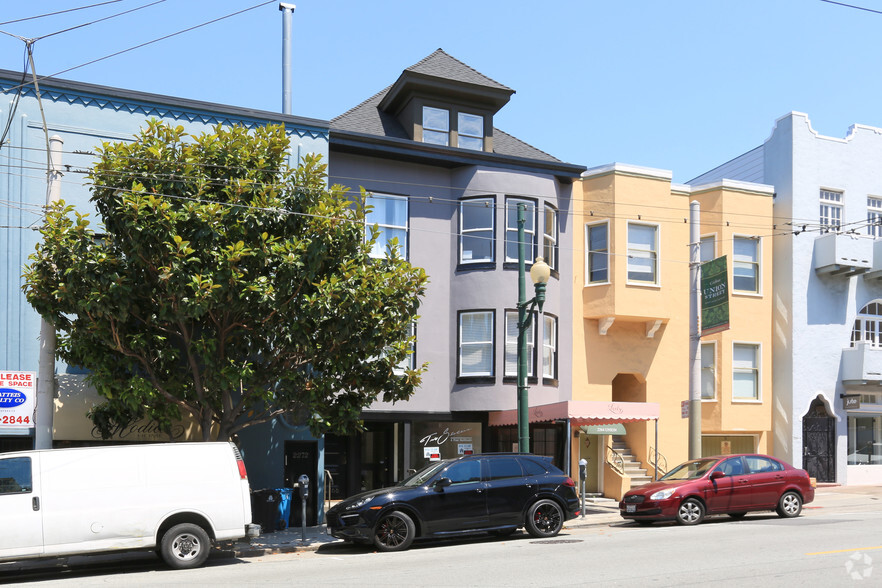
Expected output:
(827, 317)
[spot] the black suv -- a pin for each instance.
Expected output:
(496, 493)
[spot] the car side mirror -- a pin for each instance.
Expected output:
(716, 474)
(442, 483)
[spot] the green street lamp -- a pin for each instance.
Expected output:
(539, 273)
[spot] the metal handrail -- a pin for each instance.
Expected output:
(615, 460)
(662, 466)
(329, 482)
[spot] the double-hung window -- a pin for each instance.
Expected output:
(707, 249)
(642, 253)
(745, 264)
(511, 345)
(831, 210)
(549, 346)
(470, 131)
(476, 343)
(708, 371)
(389, 214)
(511, 229)
(597, 253)
(476, 236)
(436, 125)
(549, 237)
(874, 216)
(410, 361)
(745, 371)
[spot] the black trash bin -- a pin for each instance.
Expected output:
(265, 509)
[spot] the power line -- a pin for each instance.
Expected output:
(852, 6)
(99, 20)
(58, 12)
(163, 38)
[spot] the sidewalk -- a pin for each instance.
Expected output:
(294, 539)
(603, 513)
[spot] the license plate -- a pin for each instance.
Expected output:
(630, 508)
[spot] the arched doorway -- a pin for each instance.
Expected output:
(819, 442)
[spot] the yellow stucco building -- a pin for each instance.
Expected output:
(631, 347)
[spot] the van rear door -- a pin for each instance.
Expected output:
(20, 507)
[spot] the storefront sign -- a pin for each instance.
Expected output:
(725, 448)
(851, 401)
(18, 394)
(714, 296)
(613, 429)
(433, 440)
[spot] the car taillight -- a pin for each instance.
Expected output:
(243, 475)
(569, 482)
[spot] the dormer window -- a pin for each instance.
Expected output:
(470, 129)
(436, 126)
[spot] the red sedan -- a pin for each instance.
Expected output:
(726, 484)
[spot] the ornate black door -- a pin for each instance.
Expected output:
(819, 447)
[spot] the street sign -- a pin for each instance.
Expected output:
(684, 409)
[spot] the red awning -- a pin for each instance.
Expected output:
(582, 412)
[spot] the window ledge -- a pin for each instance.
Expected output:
(531, 380)
(747, 294)
(746, 401)
(476, 379)
(476, 266)
(592, 284)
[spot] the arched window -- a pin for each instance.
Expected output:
(868, 325)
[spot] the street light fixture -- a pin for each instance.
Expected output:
(539, 273)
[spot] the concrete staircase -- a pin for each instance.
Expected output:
(633, 468)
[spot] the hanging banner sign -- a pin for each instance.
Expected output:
(18, 399)
(714, 296)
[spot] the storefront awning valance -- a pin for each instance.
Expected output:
(581, 412)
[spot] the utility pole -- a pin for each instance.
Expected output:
(287, 14)
(45, 411)
(694, 330)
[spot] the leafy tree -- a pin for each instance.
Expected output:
(226, 285)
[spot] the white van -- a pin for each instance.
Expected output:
(175, 498)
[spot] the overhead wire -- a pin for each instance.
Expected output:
(59, 12)
(79, 26)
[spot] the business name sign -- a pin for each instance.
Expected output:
(18, 393)
(714, 296)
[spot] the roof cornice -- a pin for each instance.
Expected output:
(407, 150)
(152, 104)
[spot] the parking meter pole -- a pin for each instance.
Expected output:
(583, 475)
(303, 487)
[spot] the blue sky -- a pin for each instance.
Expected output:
(681, 85)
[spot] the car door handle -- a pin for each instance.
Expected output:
(35, 502)
(743, 481)
(479, 490)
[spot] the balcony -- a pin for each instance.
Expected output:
(875, 272)
(843, 255)
(861, 365)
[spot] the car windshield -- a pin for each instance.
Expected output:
(690, 470)
(422, 476)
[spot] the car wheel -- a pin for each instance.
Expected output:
(394, 532)
(185, 546)
(691, 512)
(790, 505)
(545, 519)
(737, 515)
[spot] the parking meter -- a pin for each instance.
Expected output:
(303, 486)
(583, 476)
(303, 490)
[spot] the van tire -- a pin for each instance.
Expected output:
(185, 546)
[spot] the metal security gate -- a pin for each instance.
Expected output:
(819, 447)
